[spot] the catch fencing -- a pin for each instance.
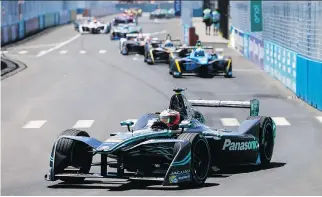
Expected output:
(289, 47)
(20, 19)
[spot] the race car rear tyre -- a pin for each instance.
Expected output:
(266, 138)
(228, 73)
(200, 159)
(75, 154)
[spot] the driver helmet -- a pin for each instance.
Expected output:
(171, 118)
(155, 43)
(168, 43)
(198, 44)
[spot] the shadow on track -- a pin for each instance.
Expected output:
(122, 186)
(137, 184)
(224, 173)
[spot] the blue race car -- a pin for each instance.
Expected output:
(196, 60)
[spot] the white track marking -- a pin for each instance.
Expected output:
(35, 124)
(34, 46)
(102, 51)
(4, 52)
(83, 124)
(230, 122)
(82, 52)
(319, 118)
(281, 121)
(58, 46)
(63, 52)
(23, 52)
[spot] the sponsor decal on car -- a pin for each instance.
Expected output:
(240, 146)
(180, 176)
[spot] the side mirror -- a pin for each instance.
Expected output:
(127, 123)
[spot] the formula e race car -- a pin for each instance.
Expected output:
(170, 14)
(81, 21)
(158, 14)
(200, 62)
(123, 19)
(93, 26)
(159, 51)
(121, 30)
(133, 43)
(152, 151)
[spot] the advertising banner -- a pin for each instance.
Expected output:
(64, 17)
(31, 25)
(256, 16)
(240, 41)
(177, 7)
(256, 51)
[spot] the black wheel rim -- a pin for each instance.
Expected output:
(268, 142)
(200, 157)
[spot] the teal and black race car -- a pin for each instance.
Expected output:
(149, 149)
(195, 59)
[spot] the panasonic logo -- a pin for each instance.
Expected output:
(240, 146)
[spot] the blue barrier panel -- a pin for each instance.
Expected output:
(80, 10)
(41, 22)
(21, 29)
(246, 45)
(197, 12)
(309, 81)
(282, 63)
(5, 34)
(14, 32)
(302, 78)
(57, 18)
(49, 20)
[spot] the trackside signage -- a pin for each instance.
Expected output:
(177, 7)
(256, 16)
(240, 146)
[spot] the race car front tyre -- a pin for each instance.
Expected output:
(200, 159)
(75, 154)
(124, 50)
(266, 138)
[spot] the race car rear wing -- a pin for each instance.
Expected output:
(136, 35)
(253, 105)
(193, 47)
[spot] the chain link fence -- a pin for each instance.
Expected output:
(295, 25)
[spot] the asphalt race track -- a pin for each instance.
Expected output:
(88, 79)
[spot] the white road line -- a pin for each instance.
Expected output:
(82, 52)
(63, 52)
(58, 46)
(4, 52)
(35, 124)
(23, 52)
(83, 124)
(281, 121)
(34, 46)
(230, 122)
(319, 118)
(102, 51)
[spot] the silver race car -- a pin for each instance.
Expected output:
(94, 26)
